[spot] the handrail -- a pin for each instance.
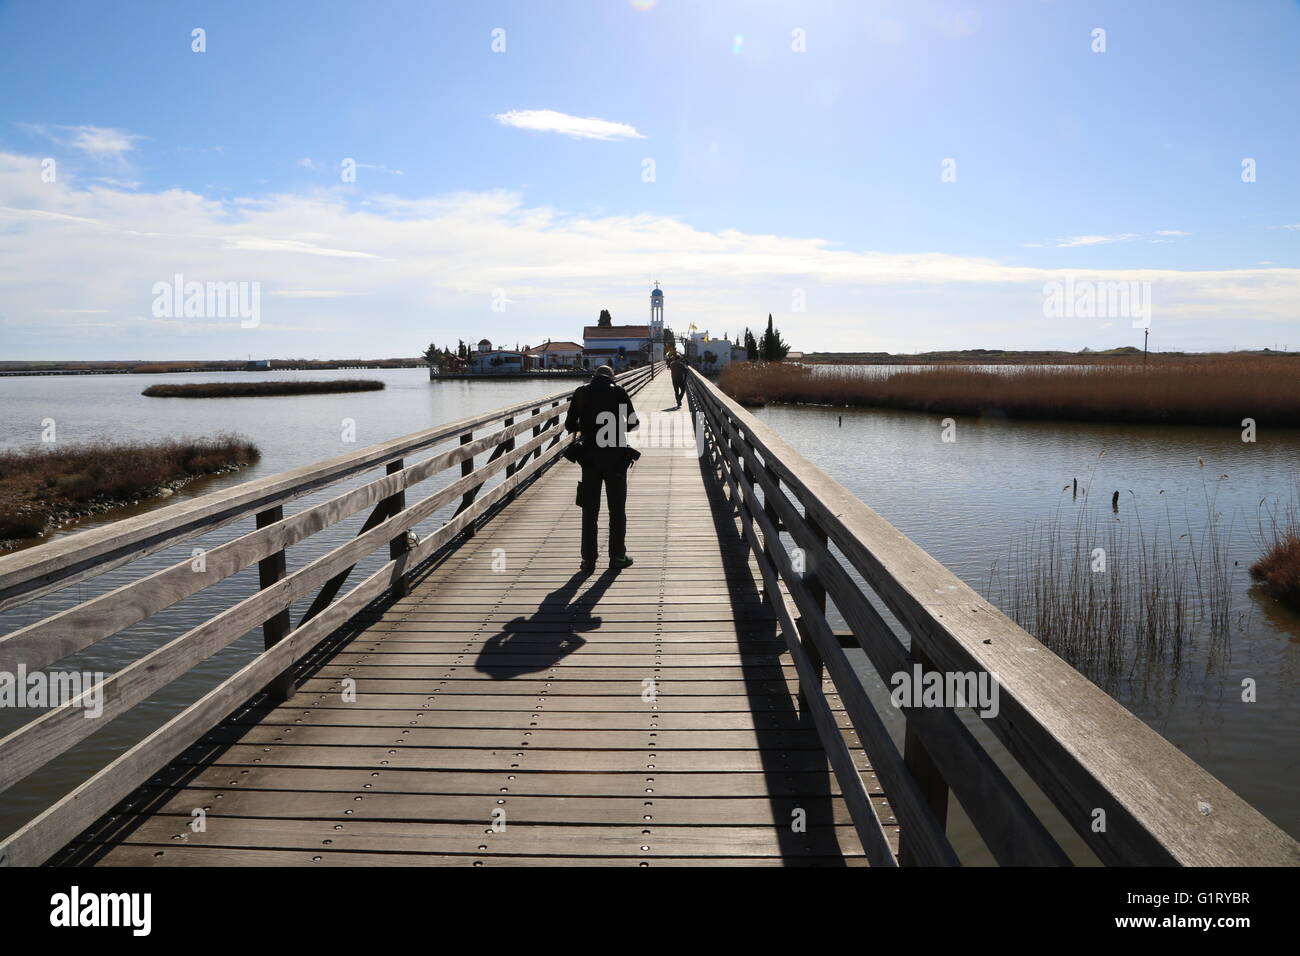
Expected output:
(1133, 797)
(51, 639)
(28, 574)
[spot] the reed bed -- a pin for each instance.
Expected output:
(41, 487)
(1120, 597)
(1216, 390)
(243, 389)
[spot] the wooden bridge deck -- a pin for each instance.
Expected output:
(640, 717)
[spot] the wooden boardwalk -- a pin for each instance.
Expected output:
(509, 710)
(473, 700)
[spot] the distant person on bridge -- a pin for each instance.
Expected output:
(679, 378)
(602, 413)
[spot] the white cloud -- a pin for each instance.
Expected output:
(1171, 232)
(311, 293)
(1074, 241)
(36, 215)
(265, 244)
(384, 275)
(549, 121)
(97, 142)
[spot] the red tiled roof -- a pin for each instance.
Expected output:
(557, 347)
(616, 332)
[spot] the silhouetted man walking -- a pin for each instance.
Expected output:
(602, 412)
(679, 380)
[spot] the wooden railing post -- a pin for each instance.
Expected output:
(554, 421)
(399, 545)
(506, 446)
(274, 629)
(928, 777)
(537, 430)
(467, 468)
(817, 591)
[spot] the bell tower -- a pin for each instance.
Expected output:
(657, 322)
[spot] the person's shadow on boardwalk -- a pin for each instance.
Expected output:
(537, 642)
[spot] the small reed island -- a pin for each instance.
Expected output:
(43, 488)
(248, 389)
(1278, 570)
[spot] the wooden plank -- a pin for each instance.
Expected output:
(220, 776)
(398, 757)
(126, 855)
(604, 810)
(409, 836)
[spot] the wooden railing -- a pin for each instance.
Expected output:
(1131, 796)
(520, 441)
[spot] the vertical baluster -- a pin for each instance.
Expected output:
(270, 570)
(813, 584)
(466, 468)
(508, 445)
(399, 545)
(919, 764)
(537, 430)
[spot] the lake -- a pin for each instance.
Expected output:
(968, 501)
(965, 501)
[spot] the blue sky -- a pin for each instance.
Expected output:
(802, 182)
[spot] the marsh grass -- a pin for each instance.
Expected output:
(1218, 390)
(1132, 612)
(39, 487)
(1278, 568)
(242, 389)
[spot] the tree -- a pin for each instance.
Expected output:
(670, 342)
(751, 346)
(773, 348)
(605, 320)
(431, 354)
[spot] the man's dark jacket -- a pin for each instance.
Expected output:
(589, 401)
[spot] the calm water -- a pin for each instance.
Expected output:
(964, 502)
(967, 501)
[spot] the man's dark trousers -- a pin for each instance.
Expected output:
(611, 472)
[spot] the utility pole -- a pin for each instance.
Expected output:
(1146, 335)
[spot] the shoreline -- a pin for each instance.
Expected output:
(44, 491)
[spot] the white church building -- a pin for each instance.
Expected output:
(626, 346)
